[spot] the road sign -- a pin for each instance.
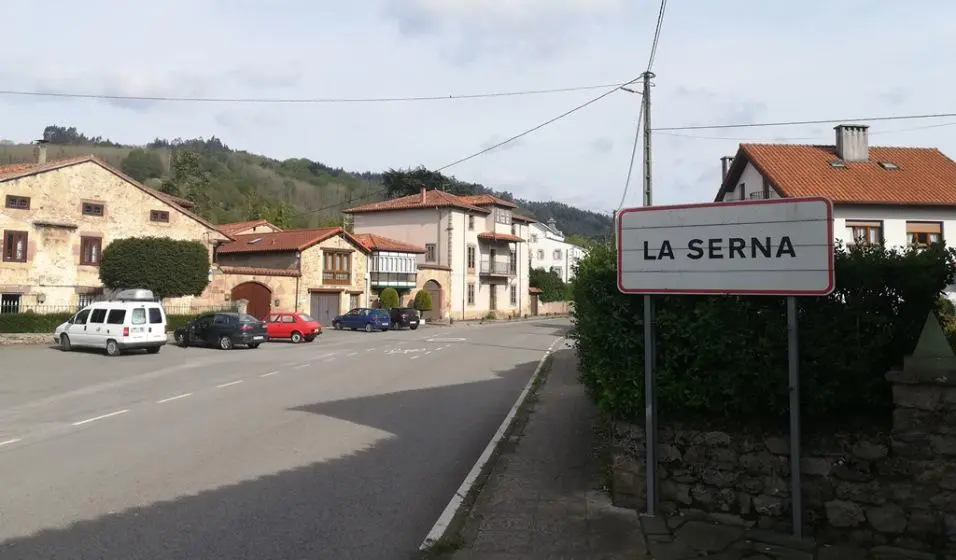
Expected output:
(753, 247)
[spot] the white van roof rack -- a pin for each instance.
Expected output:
(134, 295)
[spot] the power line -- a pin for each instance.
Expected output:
(640, 114)
(801, 138)
(316, 100)
(796, 123)
(538, 127)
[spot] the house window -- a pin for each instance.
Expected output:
(540, 254)
(18, 202)
(430, 252)
(471, 293)
(93, 209)
(557, 255)
(471, 223)
(86, 299)
(471, 258)
(15, 246)
(354, 301)
(90, 248)
(338, 267)
(865, 233)
(10, 303)
(534, 237)
(159, 216)
(514, 295)
(741, 191)
(503, 216)
(922, 234)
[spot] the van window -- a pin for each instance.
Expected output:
(155, 315)
(81, 317)
(98, 316)
(116, 316)
(139, 316)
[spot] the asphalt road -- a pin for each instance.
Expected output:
(348, 447)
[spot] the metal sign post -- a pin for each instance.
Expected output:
(775, 247)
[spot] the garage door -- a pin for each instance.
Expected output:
(257, 295)
(324, 307)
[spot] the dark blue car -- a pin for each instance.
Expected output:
(363, 318)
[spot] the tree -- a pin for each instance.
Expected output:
(423, 301)
(141, 165)
(389, 298)
(403, 182)
(170, 268)
(189, 180)
(550, 284)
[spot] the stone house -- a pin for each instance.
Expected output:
(391, 264)
(249, 227)
(475, 260)
(323, 271)
(57, 218)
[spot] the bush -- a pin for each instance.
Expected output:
(423, 301)
(551, 286)
(725, 358)
(168, 267)
(31, 322)
(389, 298)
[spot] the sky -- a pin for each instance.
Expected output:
(726, 62)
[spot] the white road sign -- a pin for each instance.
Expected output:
(756, 247)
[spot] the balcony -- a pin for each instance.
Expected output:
(397, 280)
(497, 268)
(337, 277)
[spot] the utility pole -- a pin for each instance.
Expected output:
(650, 344)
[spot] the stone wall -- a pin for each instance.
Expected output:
(894, 491)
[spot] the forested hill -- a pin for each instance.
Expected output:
(232, 185)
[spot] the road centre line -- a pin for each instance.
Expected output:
(176, 398)
(271, 373)
(228, 384)
(300, 366)
(95, 418)
(9, 441)
(350, 354)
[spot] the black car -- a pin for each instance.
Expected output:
(404, 317)
(225, 330)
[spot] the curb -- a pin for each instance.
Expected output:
(476, 322)
(440, 528)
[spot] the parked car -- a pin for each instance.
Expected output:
(225, 330)
(132, 320)
(363, 318)
(294, 326)
(404, 317)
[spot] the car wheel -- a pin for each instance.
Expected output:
(296, 337)
(180, 339)
(337, 326)
(413, 327)
(65, 344)
(225, 343)
(368, 327)
(112, 348)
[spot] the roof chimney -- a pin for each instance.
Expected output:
(725, 166)
(424, 190)
(552, 223)
(852, 142)
(40, 151)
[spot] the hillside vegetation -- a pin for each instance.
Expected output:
(232, 185)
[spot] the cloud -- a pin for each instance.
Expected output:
(489, 143)
(246, 118)
(602, 145)
(894, 97)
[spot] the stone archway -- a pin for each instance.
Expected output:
(259, 297)
(434, 290)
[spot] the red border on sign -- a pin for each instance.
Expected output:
(769, 292)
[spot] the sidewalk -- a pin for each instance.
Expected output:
(542, 498)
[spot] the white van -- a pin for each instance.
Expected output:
(133, 320)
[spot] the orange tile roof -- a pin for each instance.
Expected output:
(291, 240)
(374, 242)
(523, 218)
(19, 170)
(533, 290)
(258, 271)
(233, 228)
(487, 200)
(432, 199)
(488, 236)
(924, 177)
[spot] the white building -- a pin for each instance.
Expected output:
(550, 251)
(901, 196)
(476, 254)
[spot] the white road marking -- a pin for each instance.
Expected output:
(9, 441)
(95, 418)
(444, 340)
(300, 366)
(228, 384)
(369, 349)
(415, 357)
(350, 354)
(271, 373)
(176, 398)
(330, 359)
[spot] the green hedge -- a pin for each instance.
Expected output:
(48, 322)
(725, 358)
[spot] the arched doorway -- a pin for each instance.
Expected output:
(259, 297)
(434, 290)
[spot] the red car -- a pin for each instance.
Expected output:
(293, 326)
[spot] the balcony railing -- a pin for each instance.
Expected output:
(337, 277)
(497, 268)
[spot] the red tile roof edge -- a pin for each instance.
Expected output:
(320, 235)
(258, 271)
(431, 266)
(500, 237)
(371, 242)
(447, 200)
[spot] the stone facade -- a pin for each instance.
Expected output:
(55, 223)
(892, 493)
(442, 276)
(311, 266)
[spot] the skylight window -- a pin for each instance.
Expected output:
(254, 241)
(838, 163)
(888, 165)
